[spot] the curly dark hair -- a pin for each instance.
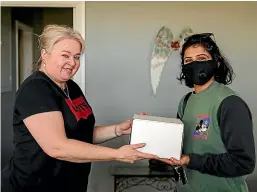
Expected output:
(224, 73)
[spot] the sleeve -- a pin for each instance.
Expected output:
(36, 97)
(236, 128)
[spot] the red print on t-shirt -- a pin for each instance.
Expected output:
(79, 107)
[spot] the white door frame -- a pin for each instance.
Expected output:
(27, 43)
(79, 24)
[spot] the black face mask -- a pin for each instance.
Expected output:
(199, 72)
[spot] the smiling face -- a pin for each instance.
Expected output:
(196, 53)
(63, 61)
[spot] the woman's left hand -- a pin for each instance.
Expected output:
(184, 160)
(124, 128)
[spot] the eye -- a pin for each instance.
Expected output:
(77, 57)
(202, 58)
(186, 61)
(65, 55)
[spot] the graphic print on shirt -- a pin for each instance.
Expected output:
(202, 127)
(79, 107)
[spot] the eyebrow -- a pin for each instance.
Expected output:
(199, 55)
(70, 52)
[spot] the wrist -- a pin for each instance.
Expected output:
(117, 155)
(196, 161)
(117, 131)
(187, 159)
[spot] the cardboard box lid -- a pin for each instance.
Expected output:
(160, 119)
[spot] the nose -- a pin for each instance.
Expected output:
(72, 61)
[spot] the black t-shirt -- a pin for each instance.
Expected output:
(30, 168)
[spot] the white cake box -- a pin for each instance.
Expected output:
(163, 136)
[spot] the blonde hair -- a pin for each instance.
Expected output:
(52, 34)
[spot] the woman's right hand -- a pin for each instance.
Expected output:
(129, 153)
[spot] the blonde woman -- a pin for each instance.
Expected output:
(54, 126)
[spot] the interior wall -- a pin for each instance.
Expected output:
(120, 36)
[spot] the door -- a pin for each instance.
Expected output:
(24, 52)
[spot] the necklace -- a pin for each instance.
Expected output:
(66, 86)
(68, 93)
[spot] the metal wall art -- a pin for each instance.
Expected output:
(164, 45)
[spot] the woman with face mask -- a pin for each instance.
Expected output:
(218, 148)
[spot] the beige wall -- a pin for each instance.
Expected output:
(119, 38)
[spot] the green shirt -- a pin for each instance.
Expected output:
(208, 143)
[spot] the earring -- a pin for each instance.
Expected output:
(44, 63)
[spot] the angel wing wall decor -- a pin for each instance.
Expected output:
(160, 55)
(186, 32)
(164, 45)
